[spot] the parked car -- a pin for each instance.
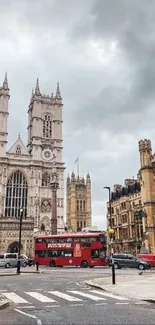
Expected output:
(128, 261)
(10, 260)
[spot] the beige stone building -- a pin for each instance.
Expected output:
(133, 208)
(25, 171)
(78, 203)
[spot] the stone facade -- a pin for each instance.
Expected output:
(78, 203)
(133, 208)
(25, 172)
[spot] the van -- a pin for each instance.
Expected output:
(150, 258)
(11, 259)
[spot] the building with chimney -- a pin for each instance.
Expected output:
(25, 171)
(78, 202)
(133, 208)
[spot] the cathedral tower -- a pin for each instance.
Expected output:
(45, 126)
(148, 189)
(4, 99)
(78, 202)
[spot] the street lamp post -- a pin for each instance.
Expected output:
(19, 242)
(54, 183)
(111, 232)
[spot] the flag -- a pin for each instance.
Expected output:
(77, 159)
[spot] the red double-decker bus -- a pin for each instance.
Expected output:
(80, 249)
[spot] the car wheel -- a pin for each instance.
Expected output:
(84, 264)
(7, 265)
(116, 266)
(141, 267)
(24, 264)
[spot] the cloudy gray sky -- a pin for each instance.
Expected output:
(103, 54)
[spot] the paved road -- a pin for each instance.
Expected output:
(60, 296)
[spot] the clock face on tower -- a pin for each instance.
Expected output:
(46, 154)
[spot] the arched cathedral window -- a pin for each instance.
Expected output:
(16, 195)
(47, 127)
(18, 150)
(46, 179)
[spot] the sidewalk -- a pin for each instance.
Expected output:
(139, 287)
(13, 271)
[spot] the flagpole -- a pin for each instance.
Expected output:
(78, 167)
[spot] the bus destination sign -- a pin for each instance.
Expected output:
(59, 245)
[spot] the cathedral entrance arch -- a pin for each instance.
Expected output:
(13, 247)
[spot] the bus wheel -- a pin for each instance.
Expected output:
(84, 264)
(52, 264)
(91, 266)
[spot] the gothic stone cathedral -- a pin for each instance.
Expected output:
(25, 171)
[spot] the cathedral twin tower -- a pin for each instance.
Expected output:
(25, 171)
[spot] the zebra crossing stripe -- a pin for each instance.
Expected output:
(87, 295)
(40, 297)
(108, 294)
(15, 298)
(64, 296)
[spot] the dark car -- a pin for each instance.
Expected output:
(128, 261)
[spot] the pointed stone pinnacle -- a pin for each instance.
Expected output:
(58, 95)
(5, 83)
(6, 78)
(37, 89)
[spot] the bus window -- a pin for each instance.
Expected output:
(40, 253)
(52, 254)
(69, 240)
(94, 253)
(68, 254)
(53, 240)
(92, 239)
(40, 240)
(62, 240)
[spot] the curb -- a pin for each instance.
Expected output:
(94, 285)
(151, 301)
(14, 274)
(4, 304)
(8, 274)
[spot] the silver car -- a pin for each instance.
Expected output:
(10, 260)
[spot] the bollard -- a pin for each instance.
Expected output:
(113, 273)
(37, 266)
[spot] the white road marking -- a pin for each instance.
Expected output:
(78, 284)
(108, 294)
(3, 290)
(122, 303)
(31, 316)
(64, 296)
(15, 298)
(87, 295)
(100, 304)
(40, 297)
(52, 306)
(29, 307)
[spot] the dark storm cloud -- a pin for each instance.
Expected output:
(133, 24)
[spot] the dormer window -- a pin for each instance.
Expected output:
(18, 150)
